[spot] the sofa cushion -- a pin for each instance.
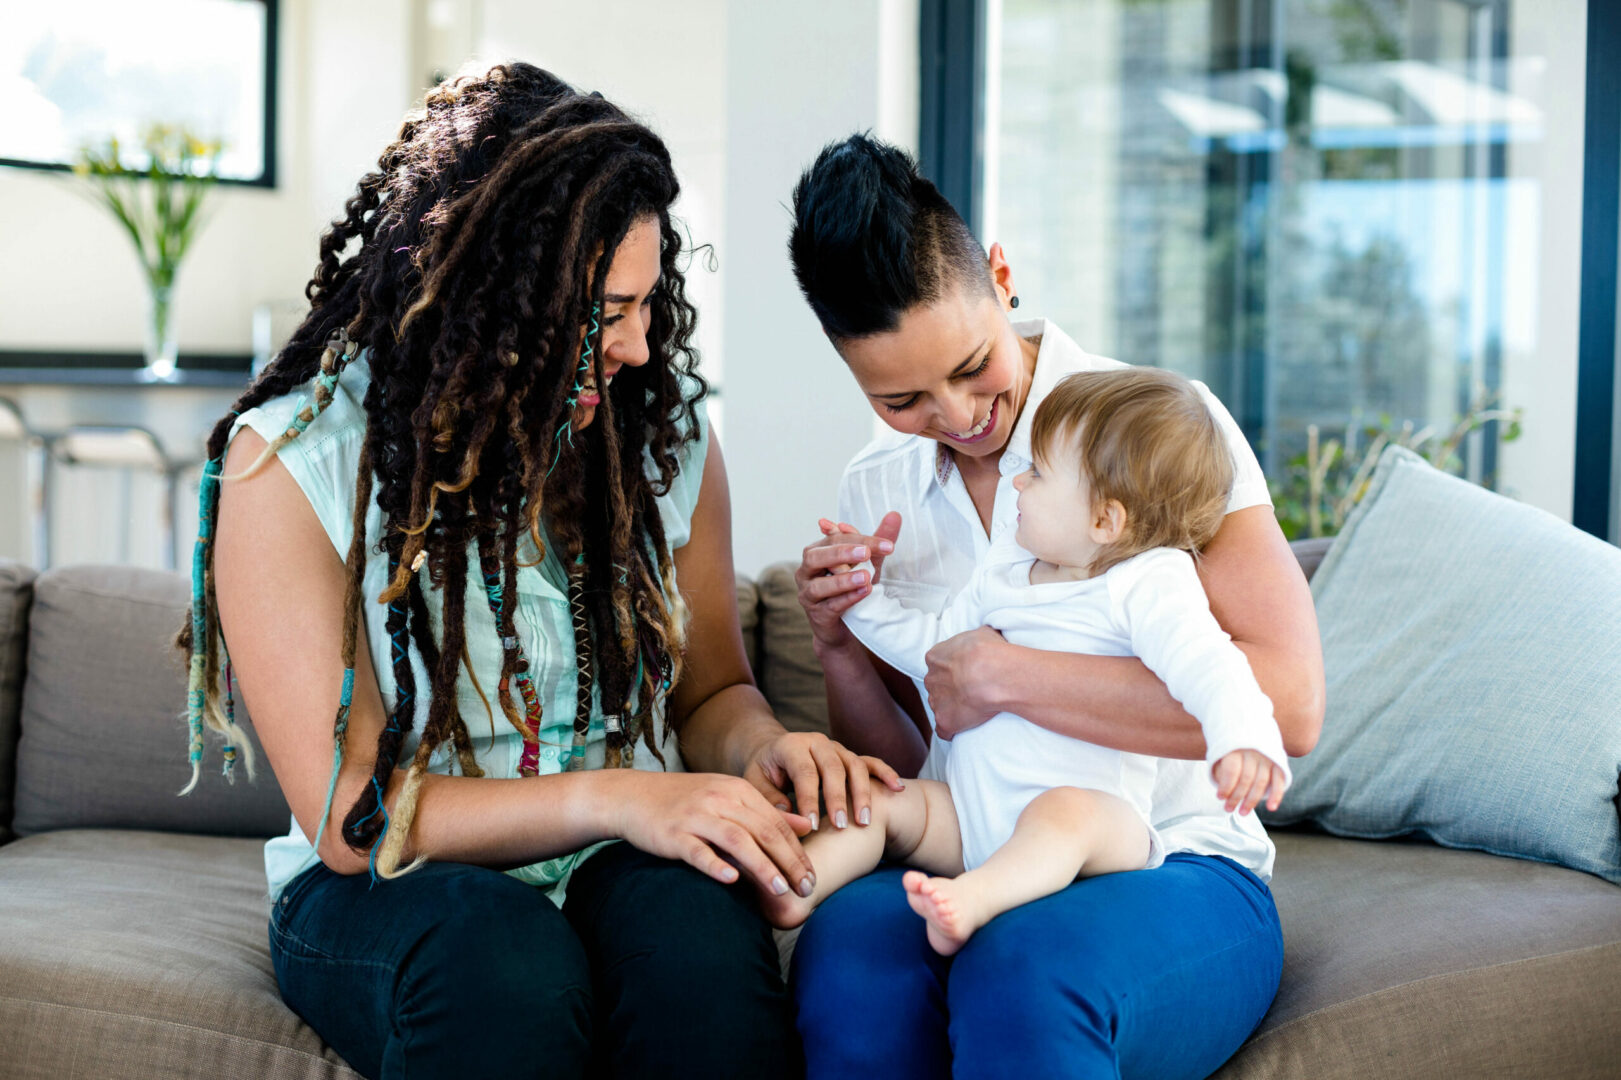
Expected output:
(748, 620)
(16, 594)
(1472, 648)
(103, 715)
(1309, 553)
(790, 675)
(144, 955)
(1402, 959)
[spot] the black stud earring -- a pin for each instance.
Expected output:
(1013, 301)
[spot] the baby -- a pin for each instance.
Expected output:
(1131, 478)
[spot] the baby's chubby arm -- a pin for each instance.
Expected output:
(1159, 598)
(901, 636)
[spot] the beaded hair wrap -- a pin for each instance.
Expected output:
(204, 705)
(203, 709)
(514, 665)
(340, 349)
(586, 352)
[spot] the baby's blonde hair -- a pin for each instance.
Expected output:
(1142, 436)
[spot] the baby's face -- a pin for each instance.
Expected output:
(1056, 519)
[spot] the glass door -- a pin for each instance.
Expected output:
(1357, 220)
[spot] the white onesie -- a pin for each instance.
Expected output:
(1151, 606)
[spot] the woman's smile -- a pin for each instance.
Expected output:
(980, 430)
(590, 394)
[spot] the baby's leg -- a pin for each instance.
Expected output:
(918, 824)
(1063, 834)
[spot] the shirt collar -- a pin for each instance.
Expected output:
(1056, 357)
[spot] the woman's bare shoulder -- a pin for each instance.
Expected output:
(264, 518)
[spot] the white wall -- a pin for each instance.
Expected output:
(800, 77)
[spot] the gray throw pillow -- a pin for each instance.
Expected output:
(1473, 654)
(103, 715)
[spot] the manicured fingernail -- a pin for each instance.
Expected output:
(815, 821)
(865, 817)
(807, 885)
(840, 821)
(783, 807)
(861, 577)
(885, 546)
(859, 554)
(778, 885)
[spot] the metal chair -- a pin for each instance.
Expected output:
(131, 449)
(14, 427)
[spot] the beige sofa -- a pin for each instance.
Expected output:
(133, 924)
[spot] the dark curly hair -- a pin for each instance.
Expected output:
(873, 238)
(485, 237)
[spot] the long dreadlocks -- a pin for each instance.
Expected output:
(485, 236)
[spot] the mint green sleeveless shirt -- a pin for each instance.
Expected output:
(324, 461)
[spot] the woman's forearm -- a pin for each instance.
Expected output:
(863, 715)
(727, 730)
(1258, 596)
(1114, 701)
(495, 823)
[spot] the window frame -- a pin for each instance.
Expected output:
(1595, 506)
(267, 177)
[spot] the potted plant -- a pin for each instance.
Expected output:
(1319, 488)
(158, 198)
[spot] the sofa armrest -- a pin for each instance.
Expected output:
(16, 597)
(1310, 553)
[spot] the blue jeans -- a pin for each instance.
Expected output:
(649, 969)
(1157, 973)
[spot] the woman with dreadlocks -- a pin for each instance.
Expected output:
(440, 547)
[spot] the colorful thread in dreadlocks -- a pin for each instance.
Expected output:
(485, 237)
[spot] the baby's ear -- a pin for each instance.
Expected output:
(1109, 522)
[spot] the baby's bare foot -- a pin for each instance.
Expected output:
(946, 906)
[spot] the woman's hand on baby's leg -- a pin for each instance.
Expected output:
(821, 772)
(1244, 778)
(899, 826)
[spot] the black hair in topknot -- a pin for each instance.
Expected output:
(872, 238)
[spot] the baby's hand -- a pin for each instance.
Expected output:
(1245, 777)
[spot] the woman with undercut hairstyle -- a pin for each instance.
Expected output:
(465, 553)
(1156, 973)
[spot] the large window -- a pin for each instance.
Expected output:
(76, 72)
(1341, 214)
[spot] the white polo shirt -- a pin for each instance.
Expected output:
(942, 542)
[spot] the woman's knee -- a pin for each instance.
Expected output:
(413, 972)
(688, 980)
(626, 902)
(866, 931)
(1018, 1009)
(496, 955)
(866, 984)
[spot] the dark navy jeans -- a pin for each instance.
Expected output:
(650, 969)
(1156, 974)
